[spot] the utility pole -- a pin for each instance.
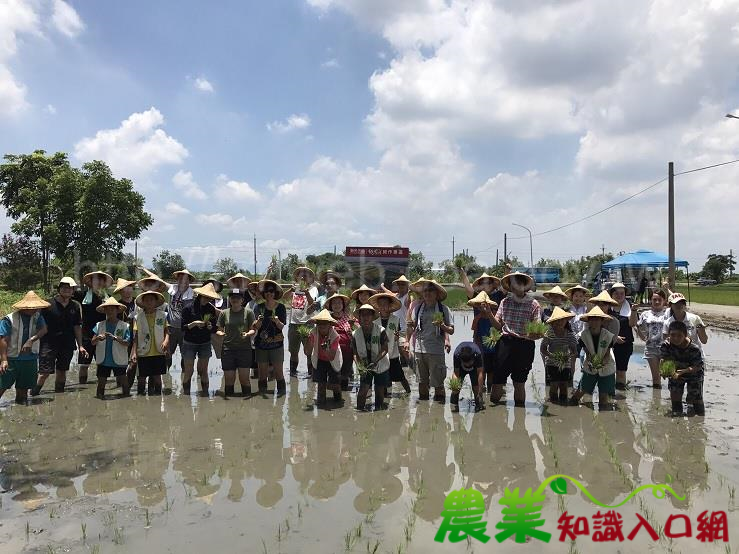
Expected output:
(671, 223)
(496, 257)
(505, 248)
(279, 265)
(255, 254)
(731, 260)
(334, 250)
(603, 250)
(136, 260)
(452, 247)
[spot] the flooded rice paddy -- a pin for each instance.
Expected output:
(174, 474)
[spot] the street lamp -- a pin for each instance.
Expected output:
(531, 245)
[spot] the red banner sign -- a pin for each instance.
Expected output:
(376, 252)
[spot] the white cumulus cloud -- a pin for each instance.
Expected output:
(204, 85)
(66, 19)
(293, 122)
(230, 190)
(173, 208)
(183, 181)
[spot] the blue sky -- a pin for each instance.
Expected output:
(321, 122)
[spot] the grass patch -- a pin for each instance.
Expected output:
(8, 298)
(726, 294)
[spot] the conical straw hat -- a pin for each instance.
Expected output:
(207, 290)
(110, 302)
(323, 315)
(478, 281)
(558, 314)
(481, 298)
(555, 291)
(363, 288)
(31, 301)
(87, 279)
(394, 302)
(595, 313)
(603, 297)
(122, 284)
(158, 296)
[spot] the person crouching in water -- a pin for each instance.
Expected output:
(687, 357)
(559, 351)
(369, 344)
(468, 361)
(111, 339)
(150, 342)
(386, 304)
(325, 354)
(599, 368)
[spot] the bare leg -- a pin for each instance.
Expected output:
(122, 381)
(496, 393)
(21, 396)
(245, 380)
(203, 373)
(654, 368)
(188, 367)
(102, 381)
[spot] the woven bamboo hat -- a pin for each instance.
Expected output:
(603, 297)
(31, 301)
(344, 298)
(264, 283)
(477, 282)
(506, 280)
(326, 274)
(161, 285)
(207, 290)
(595, 313)
(363, 288)
(570, 291)
(238, 276)
(482, 298)
(364, 307)
(559, 314)
(323, 316)
(87, 279)
(308, 270)
(110, 302)
(394, 302)
(122, 284)
(555, 291)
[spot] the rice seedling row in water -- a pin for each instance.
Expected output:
(492, 338)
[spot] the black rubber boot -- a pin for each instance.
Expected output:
(59, 387)
(700, 409)
(228, 390)
(677, 407)
(262, 387)
(454, 398)
(337, 397)
(185, 387)
(423, 391)
(281, 387)
(35, 391)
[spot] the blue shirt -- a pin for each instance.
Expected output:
(110, 328)
(483, 330)
(6, 328)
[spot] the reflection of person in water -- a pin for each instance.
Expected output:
(513, 456)
(270, 461)
(324, 468)
(473, 451)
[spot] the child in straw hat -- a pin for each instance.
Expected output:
(556, 298)
(401, 287)
(20, 332)
(111, 339)
(302, 297)
(577, 296)
(516, 347)
(235, 325)
(337, 306)
(559, 339)
(325, 354)
(386, 305)
(599, 369)
(199, 319)
(96, 282)
(150, 342)
(482, 324)
(370, 347)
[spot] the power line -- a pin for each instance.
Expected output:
(707, 167)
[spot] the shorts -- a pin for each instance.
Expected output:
(104, 371)
(152, 365)
(606, 385)
(86, 359)
(431, 369)
(189, 350)
(294, 340)
(396, 371)
(652, 352)
(175, 340)
(489, 361)
(514, 358)
(622, 353)
(462, 373)
(379, 379)
(325, 373)
(22, 373)
(555, 375)
(695, 389)
(231, 360)
(52, 359)
(273, 356)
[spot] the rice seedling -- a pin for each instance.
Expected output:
(304, 331)
(438, 318)
(536, 328)
(492, 338)
(596, 362)
(374, 548)
(667, 369)
(28, 529)
(83, 525)
(50, 549)
(454, 383)
(362, 368)
(96, 549)
(148, 520)
(560, 358)
(118, 536)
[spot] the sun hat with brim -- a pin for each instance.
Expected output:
(207, 290)
(572, 290)
(31, 301)
(157, 295)
(122, 284)
(603, 297)
(87, 279)
(676, 297)
(253, 288)
(324, 316)
(618, 286)
(395, 304)
(402, 279)
(238, 276)
(326, 274)
(595, 313)
(177, 274)
(363, 288)
(344, 298)
(478, 282)
(67, 281)
(441, 291)
(303, 268)
(214, 282)
(110, 303)
(264, 283)
(161, 284)
(555, 291)
(369, 307)
(559, 314)
(481, 298)
(506, 280)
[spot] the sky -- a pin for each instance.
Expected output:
(321, 123)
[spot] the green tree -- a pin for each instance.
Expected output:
(548, 262)
(418, 266)
(166, 263)
(462, 260)
(717, 266)
(126, 267)
(502, 269)
(20, 262)
(225, 267)
(288, 265)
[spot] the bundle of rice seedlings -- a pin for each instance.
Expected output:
(560, 358)
(596, 362)
(536, 328)
(667, 369)
(454, 383)
(304, 331)
(362, 368)
(492, 338)
(438, 317)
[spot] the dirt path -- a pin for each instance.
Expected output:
(722, 317)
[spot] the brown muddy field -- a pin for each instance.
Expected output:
(194, 475)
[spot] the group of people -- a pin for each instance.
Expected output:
(373, 332)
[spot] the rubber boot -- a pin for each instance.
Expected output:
(245, 389)
(204, 388)
(345, 384)
(423, 391)
(158, 390)
(439, 395)
(281, 387)
(700, 409)
(263, 387)
(321, 396)
(35, 391)
(293, 369)
(59, 386)
(228, 390)
(185, 387)
(454, 398)
(677, 407)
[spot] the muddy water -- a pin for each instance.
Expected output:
(170, 474)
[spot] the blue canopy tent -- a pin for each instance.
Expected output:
(645, 259)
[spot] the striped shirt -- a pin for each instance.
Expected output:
(515, 313)
(552, 343)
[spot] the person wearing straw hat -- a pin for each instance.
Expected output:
(243, 283)
(180, 295)
(559, 341)
(431, 322)
(627, 320)
(219, 303)
(235, 325)
(516, 347)
(556, 298)
(64, 336)
(402, 284)
(467, 361)
(577, 296)
(361, 296)
(337, 305)
(124, 290)
(302, 297)
(679, 312)
(331, 282)
(599, 368)
(386, 303)
(484, 283)
(20, 333)
(153, 283)
(199, 320)
(150, 341)
(369, 345)
(111, 340)
(325, 353)
(96, 283)
(482, 325)
(270, 319)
